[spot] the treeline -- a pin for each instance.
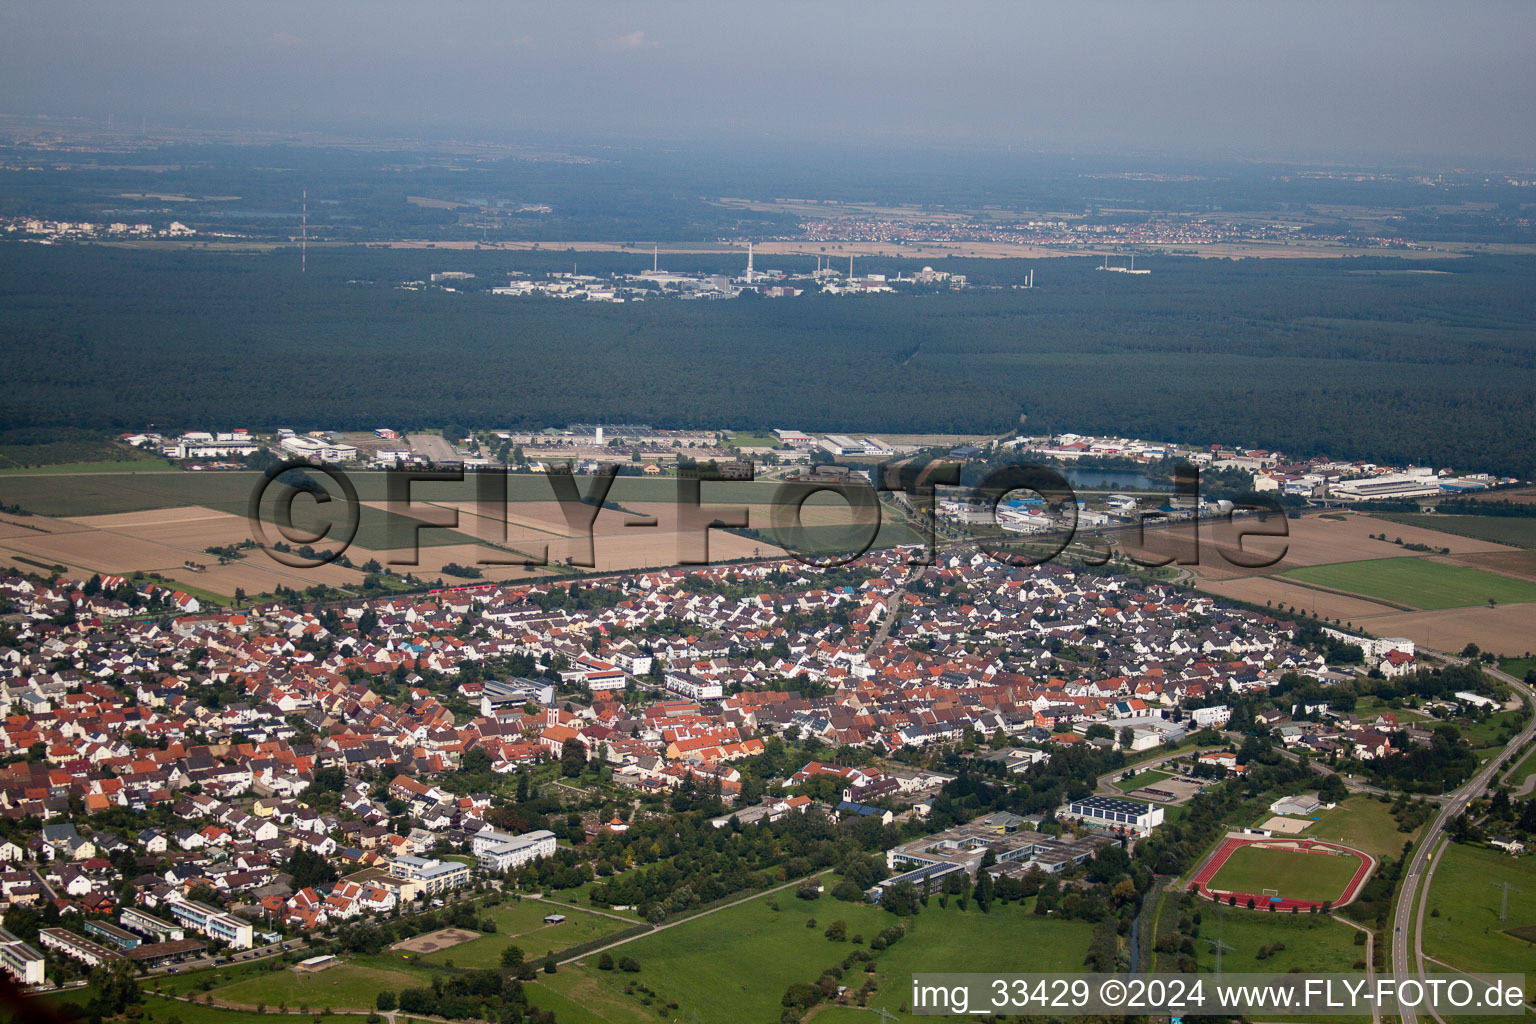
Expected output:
(1502, 509)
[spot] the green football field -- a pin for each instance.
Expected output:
(1416, 582)
(1297, 876)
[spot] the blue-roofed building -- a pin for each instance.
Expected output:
(848, 807)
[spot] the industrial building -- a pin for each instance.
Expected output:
(318, 451)
(1388, 485)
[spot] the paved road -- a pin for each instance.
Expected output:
(433, 447)
(1408, 936)
(1370, 960)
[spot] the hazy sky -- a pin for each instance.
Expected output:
(1335, 79)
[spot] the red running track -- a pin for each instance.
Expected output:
(1200, 883)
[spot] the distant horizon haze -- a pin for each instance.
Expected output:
(1361, 82)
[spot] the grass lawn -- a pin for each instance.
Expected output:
(1369, 707)
(747, 439)
(522, 924)
(1523, 766)
(1517, 667)
(583, 997)
(1486, 736)
(1416, 582)
(1145, 778)
(581, 895)
(1009, 939)
(1468, 934)
(1363, 822)
(157, 1009)
(1313, 942)
(1299, 876)
(346, 986)
(736, 964)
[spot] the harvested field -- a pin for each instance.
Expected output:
(431, 942)
(31, 526)
(1313, 540)
(1519, 564)
(1262, 590)
(162, 541)
(92, 551)
(259, 574)
(193, 528)
(1506, 629)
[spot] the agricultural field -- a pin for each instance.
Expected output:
(522, 924)
(1514, 531)
(1315, 540)
(736, 964)
(1297, 876)
(1417, 582)
(82, 453)
(1462, 927)
(155, 522)
(149, 465)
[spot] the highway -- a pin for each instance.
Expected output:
(1408, 936)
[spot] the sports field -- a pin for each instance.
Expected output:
(1296, 875)
(1416, 582)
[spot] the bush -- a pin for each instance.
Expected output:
(605, 962)
(629, 963)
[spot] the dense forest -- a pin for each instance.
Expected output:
(1326, 356)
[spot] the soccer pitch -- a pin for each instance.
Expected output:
(1295, 875)
(1416, 582)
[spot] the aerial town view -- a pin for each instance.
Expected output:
(624, 514)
